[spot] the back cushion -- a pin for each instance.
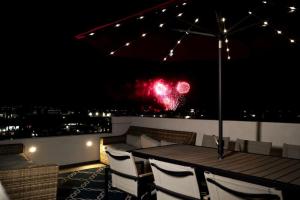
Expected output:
(133, 140)
(149, 142)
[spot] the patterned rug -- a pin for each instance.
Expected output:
(86, 185)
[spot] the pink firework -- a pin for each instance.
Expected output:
(183, 87)
(166, 93)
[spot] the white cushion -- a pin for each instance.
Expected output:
(165, 143)
(149, 142)
(133, 140)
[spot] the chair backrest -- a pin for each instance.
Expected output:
(174, 181)
(223, 188)
(3, 195)
(124, 171)
(291, 151)
(253, 146)
(210, 141)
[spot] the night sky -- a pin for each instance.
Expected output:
(42, 63)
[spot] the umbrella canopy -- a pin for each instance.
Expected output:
(175, 31)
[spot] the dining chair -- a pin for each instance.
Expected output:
(250, 146)
(212, 141)
(174, 181)
(224, 188)
(291, 151)
(125, 175)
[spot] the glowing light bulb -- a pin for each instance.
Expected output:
(89, 143)
(161, 25)
(117, 25)
(186, 33)
(228, 57)
(179, 41)
(91, 34)
(249, 12)
(265, 23)
(180, 14)
(165, 58)
(141, 17)
(196, 20)
(163, 10)
(264, 2)
(223, 19)
(112, 53)
(292, 9)
(32, 149)
(226, 40)
(225, 30)
(144, 34)
(127, 44)
(184, 4)
(279, 32)
(292, 41)
(227, 49)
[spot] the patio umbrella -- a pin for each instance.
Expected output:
(175, 23)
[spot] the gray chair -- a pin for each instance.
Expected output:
(223, 188)
(125, 176)
(250, 146)
(291, 151)
(211, 141)
(174, 181)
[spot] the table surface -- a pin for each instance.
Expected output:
(271, 171)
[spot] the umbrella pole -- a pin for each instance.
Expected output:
(220, 139)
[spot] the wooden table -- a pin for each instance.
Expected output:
(282, 173)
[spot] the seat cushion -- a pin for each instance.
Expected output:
(121, 147)
(165, 143)
(14, 161)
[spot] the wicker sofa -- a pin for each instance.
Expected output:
(119, 142)
(24, 180)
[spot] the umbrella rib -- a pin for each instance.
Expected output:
(195, 32)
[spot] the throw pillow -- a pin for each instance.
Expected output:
(133, 140)
(147, 141)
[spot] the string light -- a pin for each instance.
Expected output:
(117, 25)
(227, 49)
(161, 25)
(144, 34)
(141, 17)
(279, 32)
(265, 23)
(179, 41)
(228, 57)
(264, 2)
(112, 53)
(163, 10)
(250, 12)
(184, 4)
(223, 19)
(292, 9)
(180, 14)
(225, 30)
(292, 41)
(127, 44)
(196, 20)
(91, 34)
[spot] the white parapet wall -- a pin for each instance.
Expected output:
(62, 150)
(277, 133)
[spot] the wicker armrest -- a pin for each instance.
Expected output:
(34, 182)
(113, 140)
(11, 149)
